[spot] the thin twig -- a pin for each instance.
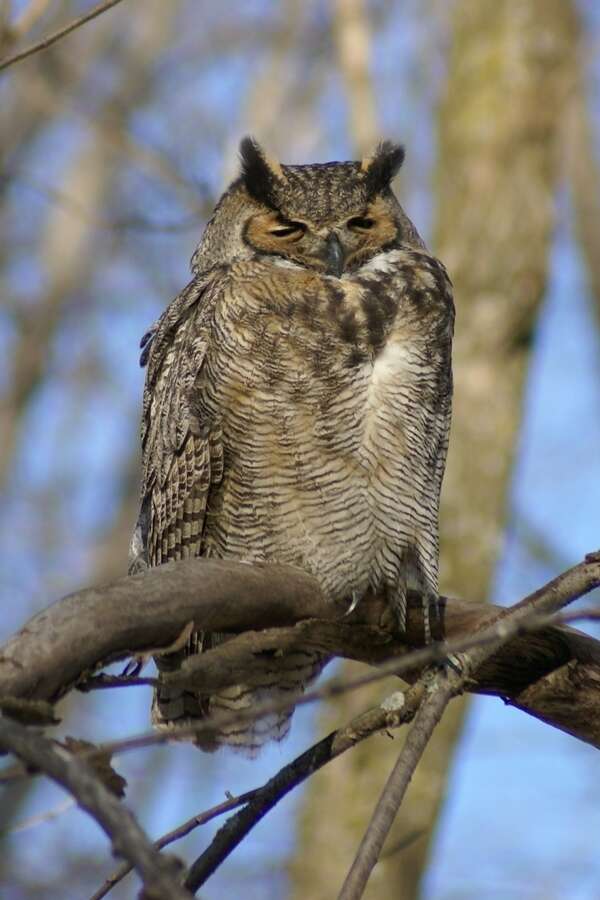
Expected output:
(127, 838)
(445, 685)
(41, 818)
(175, 835)
(393, 712)
(102, 682)
(57, 35)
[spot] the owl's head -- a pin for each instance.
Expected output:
(330, 217)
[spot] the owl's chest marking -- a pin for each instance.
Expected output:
(388, 379)
(391, 365)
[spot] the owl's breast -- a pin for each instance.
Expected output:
(390, 380)
(318, 386)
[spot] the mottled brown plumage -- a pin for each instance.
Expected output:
(297, 401)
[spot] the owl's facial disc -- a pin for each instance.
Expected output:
(297, 241)
(332, 249)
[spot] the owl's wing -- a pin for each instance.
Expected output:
(182, 455)
(437, 399)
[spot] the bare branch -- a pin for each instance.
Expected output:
(57, 35)
(351, 31)
(151, 609)
(392, 713)
(127, 838)
(445, 685)
(175, 835)
(135, 614)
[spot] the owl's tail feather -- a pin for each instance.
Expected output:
(283, 675)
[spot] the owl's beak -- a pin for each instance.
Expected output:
(334, 256)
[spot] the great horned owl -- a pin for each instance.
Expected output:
(297, 402)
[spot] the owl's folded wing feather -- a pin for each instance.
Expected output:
(439, 405)
(182, 455)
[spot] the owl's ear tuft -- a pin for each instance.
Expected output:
(382, 166)
(260, 173)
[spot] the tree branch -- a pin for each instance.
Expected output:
(393, 712)
(553, 674)
(444, 686)
(555, 666)
(158, 873)
(87, 629)
(175, 835)
(57, 35)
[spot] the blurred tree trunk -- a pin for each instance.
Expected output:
(510, 73)
(352, 35)
(583, 174)
(67, 245)
(267, 101)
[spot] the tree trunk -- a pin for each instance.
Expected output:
(509, 76)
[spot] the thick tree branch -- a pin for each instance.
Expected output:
(87, 629)
(553, 674)
(128, 840)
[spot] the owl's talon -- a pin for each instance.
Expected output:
(453, 661)
(353, 604)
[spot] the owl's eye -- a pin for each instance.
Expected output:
(288, 229)
(360, 223)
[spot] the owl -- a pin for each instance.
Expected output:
(297, 406)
